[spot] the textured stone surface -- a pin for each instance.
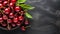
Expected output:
(46, 18)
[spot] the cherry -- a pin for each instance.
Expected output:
(13, 1)
(7, 11)
(5, 17)
(1, 5)
(0, 1)
(9, 21)
(15, 20)
(21, 18)
(4, 24)
(13, 25)
(23, 28)
(1, 14)
(17, 9)
(26, 22)
(11, 4)
(11, 15)
(5, 3)
(1, 19)
(18, 23)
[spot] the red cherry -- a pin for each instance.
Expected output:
(21, 18)
(5, 17)
(11, 4)
(4, 24)
(7, 11)
(17, 9)
(13, 1)
(5, 2)
(11, 15)
(0, 1)
(18, 23)
(1, 19)
(13, 25)
(9, 21)
(26, 22)
(15, 20)
(1, 5)
(23, 28)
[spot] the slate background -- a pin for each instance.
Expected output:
(46, 18)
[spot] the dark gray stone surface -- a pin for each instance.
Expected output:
(46, 18)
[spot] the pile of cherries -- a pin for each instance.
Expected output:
(12, 16)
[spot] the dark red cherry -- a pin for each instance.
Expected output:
(7, 11)
(5, 17)
(1, 5)
(11, 4)
(13, 1)
(0, 1)
(17, 9)
(18, 23)
(9, 21)
(11, 15)
(1, 19)
(5, 3)
(26, 22)
(15, 20)
(4, 24)
(23, 28)
(13, 25)
(21, 18)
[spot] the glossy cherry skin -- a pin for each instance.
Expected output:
(7, 11)
(17, 9)
(5, 3)
(11, 15)
(0, 1)
(13, 1)
(5, 17)
(15, 20)
(11, 4)
(1, 5)
(21, 18)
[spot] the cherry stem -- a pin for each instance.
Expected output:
(8, 27)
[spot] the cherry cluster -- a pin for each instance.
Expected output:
(12, 16)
